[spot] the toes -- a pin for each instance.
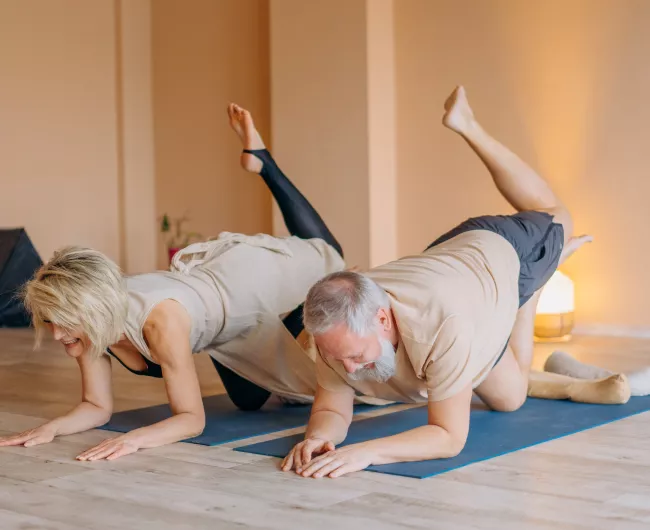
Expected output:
(236, 110)
(580, 240)
(451, 99)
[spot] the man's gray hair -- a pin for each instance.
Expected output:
(344, 298)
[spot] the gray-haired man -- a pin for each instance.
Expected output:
(436, 326)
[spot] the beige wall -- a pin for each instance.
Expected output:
(333, 107)
(58, 162)
(136, 172)
(563, 84)
(207, 54)
(319, 103)
(382, 148)
(78, 160)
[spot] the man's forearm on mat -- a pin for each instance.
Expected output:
(422, 443)
(327, 425)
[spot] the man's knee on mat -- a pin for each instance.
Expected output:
(508, 402)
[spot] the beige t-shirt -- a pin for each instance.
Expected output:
(455, 305)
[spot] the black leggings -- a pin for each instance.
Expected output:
(302, 221)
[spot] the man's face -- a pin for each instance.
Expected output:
(364, 357)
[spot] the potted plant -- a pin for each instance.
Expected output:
(175, 237)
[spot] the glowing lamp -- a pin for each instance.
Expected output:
(554, 317)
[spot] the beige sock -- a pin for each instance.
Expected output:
(612, 390)
(560, 362)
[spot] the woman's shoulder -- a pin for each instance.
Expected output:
(167, 314)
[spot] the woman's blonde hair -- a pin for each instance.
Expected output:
(79, 289)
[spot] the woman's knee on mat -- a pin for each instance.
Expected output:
(250, 402)
(245, 394)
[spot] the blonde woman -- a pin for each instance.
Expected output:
(237, 297)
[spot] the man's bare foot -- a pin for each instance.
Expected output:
(458, 114)
(242, 123)
(572, 245)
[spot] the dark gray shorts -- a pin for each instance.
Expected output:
(537, 239)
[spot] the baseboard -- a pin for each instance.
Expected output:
(605, 330)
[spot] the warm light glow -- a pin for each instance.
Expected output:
(557, 296)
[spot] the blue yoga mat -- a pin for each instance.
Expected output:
(224, 422)
(491, 433)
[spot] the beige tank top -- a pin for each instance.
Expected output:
(195, 292)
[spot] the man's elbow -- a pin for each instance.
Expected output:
(455, 446)
(447, 444)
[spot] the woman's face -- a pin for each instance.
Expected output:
(75, 343)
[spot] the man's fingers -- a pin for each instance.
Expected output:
(316, 464)
(306, 452)
(327, 469)
(287, 463)
(343, 470)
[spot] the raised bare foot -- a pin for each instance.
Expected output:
(242, 123)
(572, 245)
(458, 114)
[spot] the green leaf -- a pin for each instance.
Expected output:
(165, 224)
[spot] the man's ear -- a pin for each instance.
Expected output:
(384, 319)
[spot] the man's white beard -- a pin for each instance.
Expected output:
(384, 367)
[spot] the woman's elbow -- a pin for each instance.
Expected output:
(103, 417)
(197, 426)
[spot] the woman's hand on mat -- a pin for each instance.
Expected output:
(40, 435)
(112, 448)
(303, 452)
(340, 462)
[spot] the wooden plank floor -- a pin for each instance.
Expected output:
(597, 479)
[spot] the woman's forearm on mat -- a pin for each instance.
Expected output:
(175, 429)
(83, 417)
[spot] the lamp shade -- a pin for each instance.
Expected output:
(554, 316)
(557, 296)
